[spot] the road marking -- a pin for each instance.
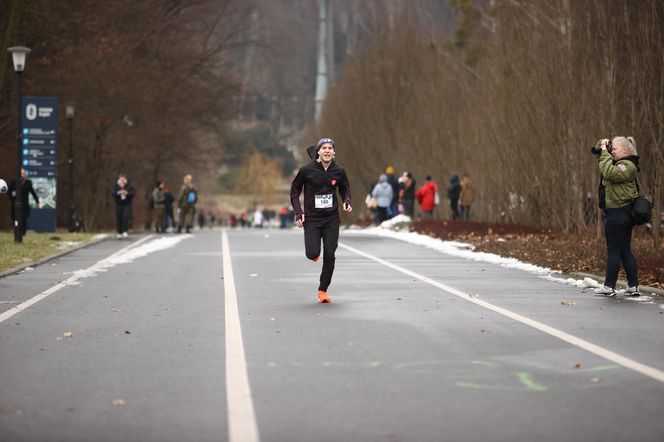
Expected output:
(35, 299)
(571, 339)
(242, 424)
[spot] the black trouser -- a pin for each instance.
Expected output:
(328, 230)
(408, 207)
(454, 205)
(122, 215)
(618, 231)
(25, 213)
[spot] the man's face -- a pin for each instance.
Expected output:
(326, 152)
(24, 173)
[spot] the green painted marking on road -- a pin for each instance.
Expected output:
(528, 381)
(487, 387)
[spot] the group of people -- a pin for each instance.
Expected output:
(162, 203)
(262, 218)
(391, 196)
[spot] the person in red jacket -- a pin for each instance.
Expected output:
(426, 196)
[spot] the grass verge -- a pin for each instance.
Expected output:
(36, 246)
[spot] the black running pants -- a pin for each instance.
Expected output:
(328, 230)
(122, 216)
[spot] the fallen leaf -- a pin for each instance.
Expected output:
(67, 334)
(119, 402)
(115, 309)
(577, 365)
(571, 303)
(127, 332)
(595, 380)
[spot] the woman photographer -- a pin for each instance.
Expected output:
(618, 163)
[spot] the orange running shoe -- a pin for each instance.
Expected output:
(323, 298)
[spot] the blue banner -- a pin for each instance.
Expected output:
(39, 125)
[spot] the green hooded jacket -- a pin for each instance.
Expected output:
(619, 180)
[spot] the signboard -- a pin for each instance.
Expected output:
(39, 156)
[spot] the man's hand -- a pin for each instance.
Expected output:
(299, 221)
(347, 208)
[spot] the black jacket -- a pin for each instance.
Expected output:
(127, 199)
(319, 185)
(454, 191)
(26, 191)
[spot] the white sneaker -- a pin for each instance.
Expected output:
(632, 291)
(125, 235)
(604, 291)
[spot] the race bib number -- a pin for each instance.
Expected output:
(323, 201)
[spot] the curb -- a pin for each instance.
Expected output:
(45, 259)
(622, 283)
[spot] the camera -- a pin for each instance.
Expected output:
(597, 149)
(3, 186)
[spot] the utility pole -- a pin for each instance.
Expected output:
(322, 71)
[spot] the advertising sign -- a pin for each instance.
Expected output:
(39, 123)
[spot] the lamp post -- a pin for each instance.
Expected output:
(19, 54)
(70, 108)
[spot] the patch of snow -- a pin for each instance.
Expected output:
(127, 256)
(395, 222)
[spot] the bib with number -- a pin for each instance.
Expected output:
(323, 201)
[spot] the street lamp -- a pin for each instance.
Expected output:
(70, 108)
(19, 54)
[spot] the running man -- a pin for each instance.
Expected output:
(321, 178)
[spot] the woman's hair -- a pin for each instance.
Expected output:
(628, 143)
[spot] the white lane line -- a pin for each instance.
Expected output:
(571, 339)
(35, 299)
(242, 425)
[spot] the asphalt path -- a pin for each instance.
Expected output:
(220, 337)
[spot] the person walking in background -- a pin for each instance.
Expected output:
(201, 219)
(467, 197)
(169, 216)
(123, 193)
(187, 203)
(407, 193)
(453, 194)
(321, 179)
(383, 194)
(394, 184)
(26, 190)
(283, 218)
(258, 219)
(158, 209)
(426, 197)
(618, 166)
